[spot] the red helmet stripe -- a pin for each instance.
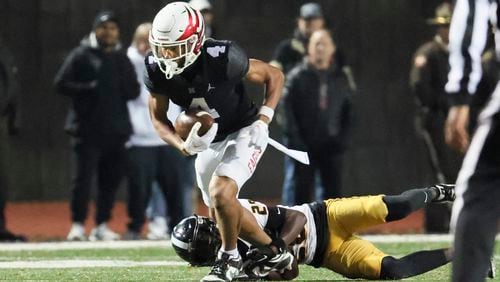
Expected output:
(192, 26)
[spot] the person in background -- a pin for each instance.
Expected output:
(9, 89)
(317, 101)
(427, 79)
(99, 79)
(151, 161)
(475, 214)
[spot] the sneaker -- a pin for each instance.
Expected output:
(158, 229)
(77, 232)
(491, 271)
(225, 269)
(445, 192)
(103, 233)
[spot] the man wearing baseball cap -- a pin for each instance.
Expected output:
(99, 79)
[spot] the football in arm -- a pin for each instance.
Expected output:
(187, 119)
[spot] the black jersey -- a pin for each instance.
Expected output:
(211, 83)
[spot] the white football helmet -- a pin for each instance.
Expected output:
(176, 37)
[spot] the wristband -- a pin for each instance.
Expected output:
(266, 111)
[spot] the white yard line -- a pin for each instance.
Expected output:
(86, 263)
(48, 246)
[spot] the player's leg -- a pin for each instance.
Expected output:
(413, 264)
(400, 206)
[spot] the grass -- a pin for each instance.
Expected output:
(174, 272)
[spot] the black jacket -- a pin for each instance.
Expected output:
(307, 125)
(99, 84)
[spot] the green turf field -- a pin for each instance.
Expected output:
(156, 264)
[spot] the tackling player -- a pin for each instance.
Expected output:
(320, 234)
(194, 72)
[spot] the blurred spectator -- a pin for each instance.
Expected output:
(428, 77)
(288, 54)
(153, 161)
(318, 110)
(291, 51)
(8, 93)
(99, 79)
(206, 11)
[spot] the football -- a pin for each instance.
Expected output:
(187, 119)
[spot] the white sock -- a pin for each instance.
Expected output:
(232, 253)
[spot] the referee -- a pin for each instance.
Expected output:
(476, 210)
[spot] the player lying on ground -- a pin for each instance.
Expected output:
(320, 234)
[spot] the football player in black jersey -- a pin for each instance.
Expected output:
(196, 73)
(320, 234)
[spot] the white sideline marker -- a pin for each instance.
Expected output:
(86, 263)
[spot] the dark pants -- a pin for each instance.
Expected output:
(478, 219)
(445, 164)
(166, 166)
(105, 159)
(328, 162)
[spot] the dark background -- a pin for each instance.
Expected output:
(378, 38)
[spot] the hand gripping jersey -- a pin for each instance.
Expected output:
(310, 245)
(212, 83)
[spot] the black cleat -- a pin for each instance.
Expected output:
(445, 192)
(263, 261)
(225, 269)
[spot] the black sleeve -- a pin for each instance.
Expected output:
(131, 88)
(237, 63)
(276, 217)
(67, 82)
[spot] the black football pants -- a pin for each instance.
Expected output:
(477, 207)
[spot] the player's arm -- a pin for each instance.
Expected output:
(262, 73)
(158, 107)
(465, 67)
(293, 224)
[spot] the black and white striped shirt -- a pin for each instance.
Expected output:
(468, 35)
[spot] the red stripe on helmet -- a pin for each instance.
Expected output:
(192, 26)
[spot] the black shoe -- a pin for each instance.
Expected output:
(445, 192)
(7, 236)
(225, 269)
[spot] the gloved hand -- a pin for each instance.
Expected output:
(195, 144)
(259, 133)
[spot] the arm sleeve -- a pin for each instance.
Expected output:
(131, 86)
(276, 218)
(66, 81)
(468, 33)
(237, 63)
